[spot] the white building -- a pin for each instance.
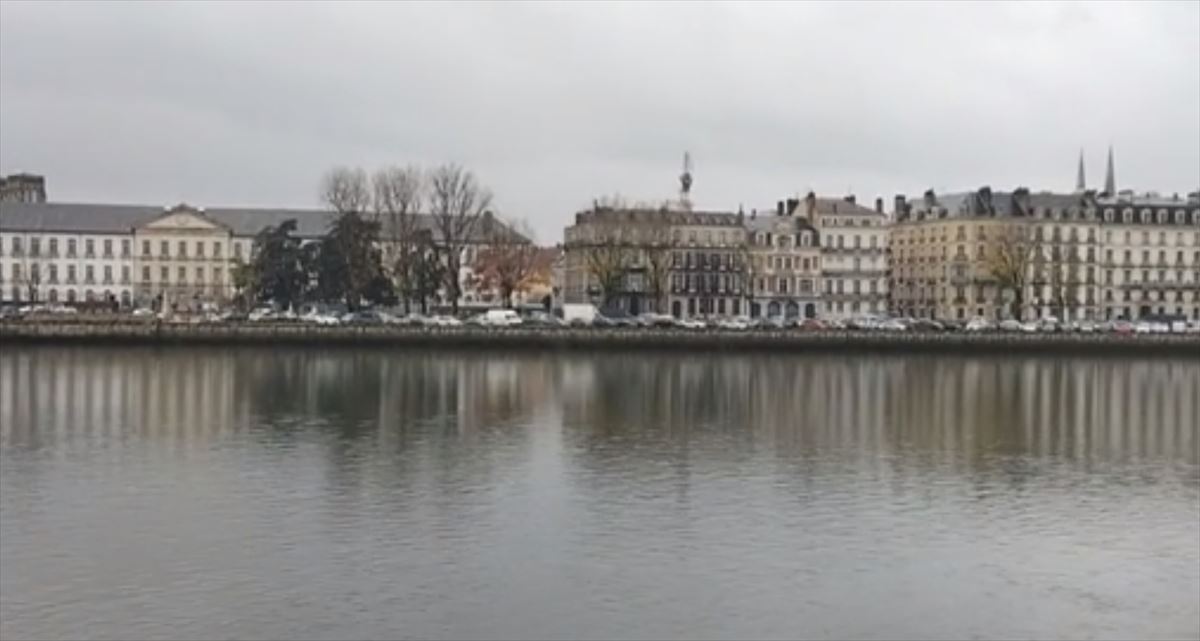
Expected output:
(854, 258)
(138, 255)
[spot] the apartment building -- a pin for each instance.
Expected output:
(784, 252)
(854, 261)
(636, 260)
(1081, 256)
(141, 255)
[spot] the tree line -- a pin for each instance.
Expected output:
(396, 236)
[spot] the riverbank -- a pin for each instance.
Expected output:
(154, 333)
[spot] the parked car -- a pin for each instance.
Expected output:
(733, 324)
(892, 325)
(926, 325)
(1086, 327)
(142, 312)
(262, 314)
(978, 324)
(1010, 325)
(543, 319)
(501, 318)
(1048, 324)
(1122, 327)
(692, 323)
(812, 325)
(444, 321)
(1029, 327)
(657, 320)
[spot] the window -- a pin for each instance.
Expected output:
(145, 248)
(35, 246)
(164, 249)
(89, 274)
(216, 275)
(70, 273)
(217, 247)
(182, 249)
(16, 271)
(200, 248)
(200, 275)
(53, 246)
(54, 273)
(145, 274)
(182, 275)
(16, 246)
(125, 248)
(107, 274)
(125, 274)
(71, 247)
(164, 275)
(108, 248)
(89, 247)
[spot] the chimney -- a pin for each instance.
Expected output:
(792, 205)
(810, 205)
(779, 208)
(849, 199)
(899, 206)
(879, 205)
(753, 213)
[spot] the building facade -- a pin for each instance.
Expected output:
(854, 261)
(129, 255)
(637, 260)
(785, 256)
(1023, 255)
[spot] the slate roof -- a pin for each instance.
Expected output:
(89, 218)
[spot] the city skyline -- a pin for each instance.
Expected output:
(249, 107)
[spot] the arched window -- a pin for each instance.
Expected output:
(53, 295)
(1144, 216)
(1162, 216)
(1108, 215)
(70, 296)
(89, 296)
(1127, 216)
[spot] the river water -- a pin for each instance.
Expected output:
(263, 494)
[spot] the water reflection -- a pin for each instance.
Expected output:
(373, 494)
(959, 410)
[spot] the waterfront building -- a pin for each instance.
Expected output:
(641, 259)
(854, 261)
(142, 255)
(1081, 256)
(784, 263)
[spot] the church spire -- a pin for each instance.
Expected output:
(1080, 181)
(1110, 179)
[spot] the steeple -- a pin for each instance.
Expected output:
(1080, 181)
(1110, 179)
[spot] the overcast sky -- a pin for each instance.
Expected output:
(553, 104)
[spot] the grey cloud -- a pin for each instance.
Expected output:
(553, 104)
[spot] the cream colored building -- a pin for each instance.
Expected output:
(854, 263)
(1151, 256)
(785, 256)
(1085, 257)
(180, 256)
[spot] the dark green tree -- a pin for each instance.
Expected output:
(276, 272)
(350, 265)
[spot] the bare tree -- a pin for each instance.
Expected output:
(659, 245)
(399, 194)
(456, 203)
(346, 190)
(1008, 262)
(607, 258)
(509, 258)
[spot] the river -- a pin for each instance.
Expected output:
(263, 494)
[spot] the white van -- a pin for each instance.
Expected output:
(501, 318)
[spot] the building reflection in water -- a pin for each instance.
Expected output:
(950, 410)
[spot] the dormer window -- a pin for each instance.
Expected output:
(1162, 216)
(1108, 215)
(1127, 216)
